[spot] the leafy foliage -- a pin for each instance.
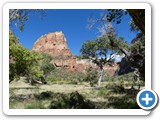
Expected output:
(135, 53)
(91, 76)
(115, 15)
(137, 22)
(138, 54)
(97, 51)
(101, 51)
(133, 26)
(35, 105)
(73, 100)
(22, 61)
(12, 38)
(138, 17)
(62, 76)
(45, 65)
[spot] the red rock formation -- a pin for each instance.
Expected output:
(81, 65)
(111, 70)
(55, 44)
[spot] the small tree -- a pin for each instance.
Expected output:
(99, 52)
(22, 61)
(135, 55)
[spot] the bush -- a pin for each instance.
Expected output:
(44, 95)
(126, 81)
(91, 76)
(103, 92)
(35, 105)
(107, 77)
(64, 76)
(51, 78)
(73, 100)
(45, 65)
(76, 77)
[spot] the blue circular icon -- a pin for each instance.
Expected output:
(147, 99)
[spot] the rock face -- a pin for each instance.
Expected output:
(55, 44)
(125, 67)
(81, 65)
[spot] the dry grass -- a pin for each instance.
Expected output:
(103, 97)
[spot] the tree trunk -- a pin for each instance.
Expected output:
(137, 77)
(138, 16)
(100, 78)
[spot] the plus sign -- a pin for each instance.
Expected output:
(147, 99)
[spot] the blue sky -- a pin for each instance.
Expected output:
(72, 23)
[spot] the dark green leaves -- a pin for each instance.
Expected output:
(115, 15)
(97, 50)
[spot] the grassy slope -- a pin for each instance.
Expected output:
(109, 95)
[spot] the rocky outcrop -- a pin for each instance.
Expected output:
(83, 64)
(125, 67)
(111, 69)
(55, 44)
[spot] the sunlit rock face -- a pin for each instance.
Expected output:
(55, 44)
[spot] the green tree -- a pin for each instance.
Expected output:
(135, 55)
(136, 52)
(100, 52)
(22, 61)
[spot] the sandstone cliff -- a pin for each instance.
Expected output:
(55, 44)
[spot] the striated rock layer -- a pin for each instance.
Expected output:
(55, 44)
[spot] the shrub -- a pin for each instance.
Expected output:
(103, 92)
(45, 65)
(76, 77)
(64, 76)
(35, 105)
(73, 100)
(51, 78)
(91, 76)
(44, 95)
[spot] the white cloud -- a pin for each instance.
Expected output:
(117, 58)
